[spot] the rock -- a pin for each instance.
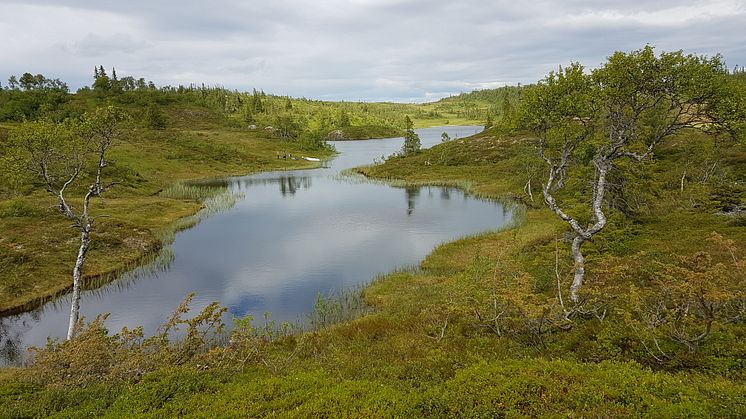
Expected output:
(337, 134)
(733, 211)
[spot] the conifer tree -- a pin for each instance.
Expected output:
(411, 139)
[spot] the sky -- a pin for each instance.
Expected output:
(372, 50)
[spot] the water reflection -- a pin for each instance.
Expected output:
(288, 183)
(276, 251)
(11, 338)
(411, 193)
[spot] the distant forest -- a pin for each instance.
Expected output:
(31, 97)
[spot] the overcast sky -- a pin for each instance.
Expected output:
(402, 50)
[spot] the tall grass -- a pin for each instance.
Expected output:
(338, 307)
(214, 199)
(344, 305)
(192, 192)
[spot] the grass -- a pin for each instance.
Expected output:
(154, 199)
(152, 202)
(485, 389)
(419, 342)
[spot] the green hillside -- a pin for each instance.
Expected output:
(483, 327)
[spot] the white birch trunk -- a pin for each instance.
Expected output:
(581, 234)
(577, 281)
(78, 282)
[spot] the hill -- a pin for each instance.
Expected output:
(481, 327)
(441, 340)
(178, 134)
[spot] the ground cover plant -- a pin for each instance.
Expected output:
(484, 326)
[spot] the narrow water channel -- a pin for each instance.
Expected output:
(291, 236)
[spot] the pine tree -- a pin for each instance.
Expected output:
(114, 82)
(256, 102)
(411, 139)
(102, 81)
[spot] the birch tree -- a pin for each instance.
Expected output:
(63, 154)
(620, 111)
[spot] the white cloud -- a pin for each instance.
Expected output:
(360, 49)
(672, 17)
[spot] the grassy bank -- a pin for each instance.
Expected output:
(469, 332)
(38, 243)
(38, 246)
(673, 222)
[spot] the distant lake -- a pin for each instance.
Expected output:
(291, 235)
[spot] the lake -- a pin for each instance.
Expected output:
(290, 236)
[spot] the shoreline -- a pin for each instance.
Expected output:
(149, 255)
(142, 259)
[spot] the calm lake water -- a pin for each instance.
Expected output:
(291, 236)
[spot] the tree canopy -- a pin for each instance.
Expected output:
(411, 139)
(620, 111)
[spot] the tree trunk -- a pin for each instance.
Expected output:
(603, 165)
(528, 190)
(577, 256)
(77, 281)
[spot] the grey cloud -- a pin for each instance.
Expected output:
(101, 45)
(369, 49)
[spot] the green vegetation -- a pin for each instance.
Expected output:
(173, 139)
(178, 134)
(282, 116)
(38, 244)
(663, 249)
(60, 153)
(411, 139)
(616, 116)
(480, 328)
(364, 132)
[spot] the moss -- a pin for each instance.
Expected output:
(138, 215)
(429, 348)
